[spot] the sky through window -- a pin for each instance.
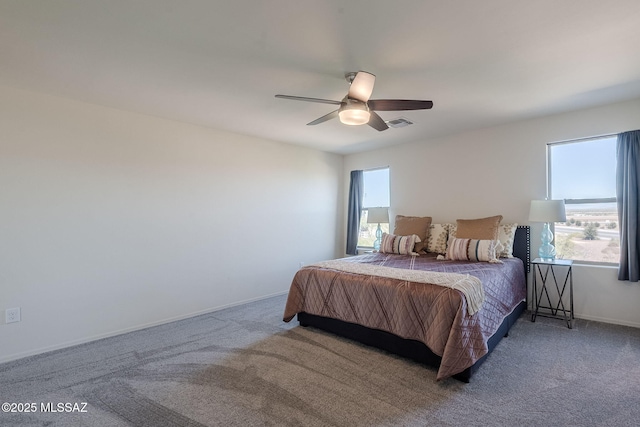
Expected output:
(584, 170)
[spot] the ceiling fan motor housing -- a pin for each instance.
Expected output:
(349, 76)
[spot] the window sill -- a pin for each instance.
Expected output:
(364, 249)
(594, 264)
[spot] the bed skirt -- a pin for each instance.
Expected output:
(410, 349)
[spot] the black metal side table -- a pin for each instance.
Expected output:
(558, 310)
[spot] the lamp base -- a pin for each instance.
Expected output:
(547, 250)
(378, 242)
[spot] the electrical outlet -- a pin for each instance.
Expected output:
(12, 315)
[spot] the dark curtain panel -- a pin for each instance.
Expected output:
(628, 187)
(356, 197)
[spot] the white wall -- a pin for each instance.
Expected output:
(499, 170)
(110, 221)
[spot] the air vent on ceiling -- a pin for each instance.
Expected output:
(399, 122)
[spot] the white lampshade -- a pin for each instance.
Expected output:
(378, 215)
(547, 211)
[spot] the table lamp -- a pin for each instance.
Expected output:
(547, 211)
(378, 215)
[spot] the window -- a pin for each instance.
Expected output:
(583, 172)
(376, 194)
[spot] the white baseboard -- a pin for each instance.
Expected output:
(600, 319)
(72, 343)
(608, 320)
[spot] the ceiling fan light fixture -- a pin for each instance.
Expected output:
(354, 113)
(354, 117)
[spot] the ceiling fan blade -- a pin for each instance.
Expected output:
(399, 104)
(376, 122)
(362, 86)
(302, 98)
(324, 118)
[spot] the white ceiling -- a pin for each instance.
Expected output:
(219, 63)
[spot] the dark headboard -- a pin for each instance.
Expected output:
(522, 246)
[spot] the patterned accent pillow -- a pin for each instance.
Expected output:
(472, 250)
(437, 240)
(506, 236)
(453, 230)
(403, 245)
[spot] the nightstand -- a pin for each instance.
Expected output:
(560, 269)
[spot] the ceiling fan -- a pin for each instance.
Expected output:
(357, 109)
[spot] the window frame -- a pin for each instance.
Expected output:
(365, 210)
(600, 200)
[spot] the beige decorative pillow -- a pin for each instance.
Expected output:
(418, 225)
(403, 245)
(437, 240)
(481, 228)
(506, 235)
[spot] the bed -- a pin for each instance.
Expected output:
(408, 315)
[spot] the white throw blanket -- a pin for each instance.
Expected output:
(470, 286)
